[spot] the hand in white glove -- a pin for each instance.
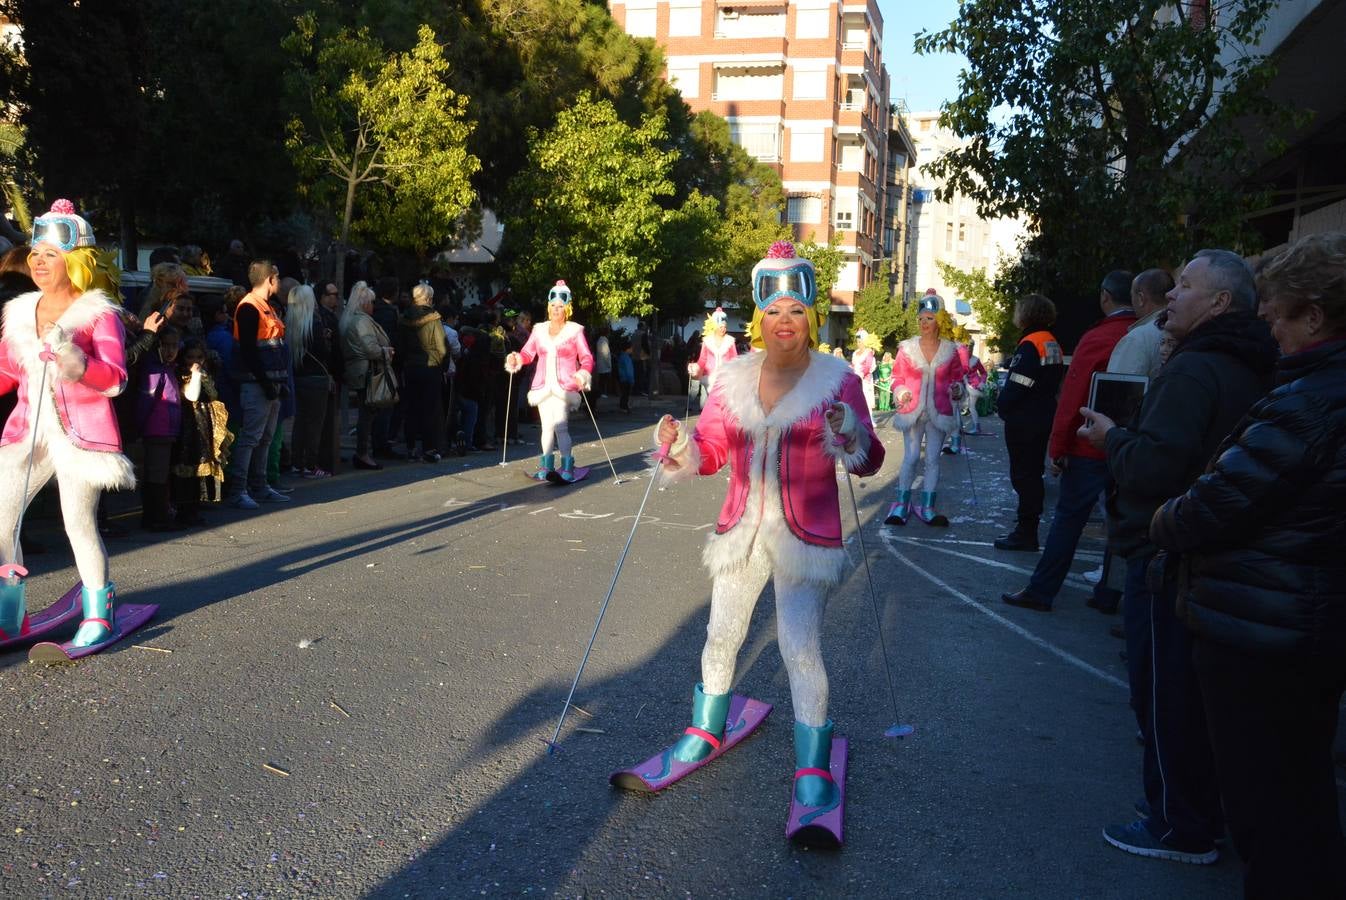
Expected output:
(841, 420)
(584, 379)
(70, 360)
(512, 363)
(694, 370)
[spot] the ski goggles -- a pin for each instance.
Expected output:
(797, 282)
(558, 295)
(66, 232)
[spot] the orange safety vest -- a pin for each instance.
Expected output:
(270, 328)
(1049, 351)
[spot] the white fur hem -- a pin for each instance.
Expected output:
(791, 558)
(94, 468)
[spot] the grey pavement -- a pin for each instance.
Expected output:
(347, 696)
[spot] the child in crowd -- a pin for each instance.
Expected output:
(158, 418)
(203, 441)
(626, 375)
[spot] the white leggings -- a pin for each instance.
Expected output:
(911, 452)
(799, 618)
(79, 509)
(554, 413)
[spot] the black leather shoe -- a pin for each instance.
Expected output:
(1025, 600)
(1017, 540)
(361, 464)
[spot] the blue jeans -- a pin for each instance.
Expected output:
(253, 442)
(1081, 483)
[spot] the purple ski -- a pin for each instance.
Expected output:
(61, 613)
(661, 770)
(820, 826)
(126, 618)
(579, 473)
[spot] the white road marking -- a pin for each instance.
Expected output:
(996, 617)
(1071, 582)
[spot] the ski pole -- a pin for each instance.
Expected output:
(621, 561)
(687, 410)
(601, 442)
(504, 441)
(14, 571)
(967, 455)
(897, 730)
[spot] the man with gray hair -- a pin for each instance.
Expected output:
(1222, 363)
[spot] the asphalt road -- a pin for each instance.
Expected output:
(350, 693)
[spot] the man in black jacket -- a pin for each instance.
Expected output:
(1222, 364)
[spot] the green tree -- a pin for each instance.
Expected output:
(878, 311)
(1112, 126)
(587, 207)
(993, 306)
(381, 139)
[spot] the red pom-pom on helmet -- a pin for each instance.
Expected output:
(781, 250)
(63, 207)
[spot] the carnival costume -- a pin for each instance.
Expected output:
(780, 520)
(924, 392)
(863, 363)
(565, 367)
(64, 424)
(975, 382)
(883, 383)
(716, 350)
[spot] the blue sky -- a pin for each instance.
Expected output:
(923, 81)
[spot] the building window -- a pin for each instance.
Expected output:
(641, 22)
(810, 84)
(925, 124)
(806, 145)
(762, 141)
(852, 157)
(845, 220)
(684, 20)
(962, 235)
(948, 237)
(811, 23)
(804, 210)
(856, 34)
(848, 278)
(735, 23)
(757, 83)
(687, 79)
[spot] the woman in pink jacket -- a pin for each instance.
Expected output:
(565, 367)
(863, 364)
(63, 349)
(927, 380)
(717, 348)
(781, 420)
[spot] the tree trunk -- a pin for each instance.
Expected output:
(130, 241)
(346, 215)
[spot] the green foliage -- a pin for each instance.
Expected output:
(993, 306)
(587, 208)
(382, 138)
(1119, 141)
(878, 311)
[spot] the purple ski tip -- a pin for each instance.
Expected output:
(899, 731)
(126, 618)
(661, 770)
(821, 826)
(43, 622)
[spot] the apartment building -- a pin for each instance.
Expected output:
(803, 87)
(949, 231)
(901, 168)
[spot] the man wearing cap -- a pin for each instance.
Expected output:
(928, 374)
(717, 348)
(564, 368)
(63, 350)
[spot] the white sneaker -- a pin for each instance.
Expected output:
(243, 501)
(1093, 577)
(273, 496)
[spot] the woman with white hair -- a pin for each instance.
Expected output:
(310, 349)
(364, 345)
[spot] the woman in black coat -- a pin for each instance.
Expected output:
(1263, 543)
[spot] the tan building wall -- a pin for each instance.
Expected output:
(804, 89)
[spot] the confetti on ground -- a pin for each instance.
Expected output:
(591, 730)
(276, 770)
(339, 708)
(155, 649)
(582, 711)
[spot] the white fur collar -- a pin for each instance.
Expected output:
(20, 321)
(912, 347)
(718, 344)
(820, 384)
(568, 332)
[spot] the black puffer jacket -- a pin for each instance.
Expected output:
(1212, 379)
(1264, 531)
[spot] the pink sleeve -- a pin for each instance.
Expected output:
(958, 364)
(9, 373)
(702, 357)
(528, 352)
(854, 396)
(711, 435)
(586, 358)
(732, 352)
(105, 370)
